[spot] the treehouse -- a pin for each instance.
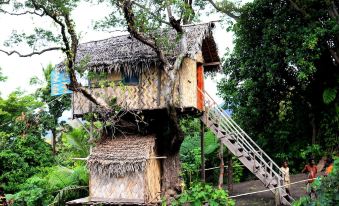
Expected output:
(131, 73)
(127, 169)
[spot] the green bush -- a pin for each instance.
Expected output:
(327, 189)
(53, 186)
(200, 193)
(22, 158)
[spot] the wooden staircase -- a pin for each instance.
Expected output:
(244, 148)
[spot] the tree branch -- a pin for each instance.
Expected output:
(151, 13)
(31, 54)
(174, 23)
(297, 8)
(131, 27)
(333, 12)
(22, 13)
(4, 2)
(220, 9)
(334, 55)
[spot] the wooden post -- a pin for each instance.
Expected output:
(229, 172)
(202, 142)
(91, 139)
(222, 166)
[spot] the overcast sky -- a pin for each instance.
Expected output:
(20, 70)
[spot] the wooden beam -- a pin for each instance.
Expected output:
(212, 64)
(83, 159)
(162, 157)
(202, 142)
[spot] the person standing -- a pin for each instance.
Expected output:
(286, 177)
(328, 165)
(3, 201)
(312, 170)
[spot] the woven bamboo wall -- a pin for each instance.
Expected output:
(188, 83)
(130, 187)
(149, 93)
(152, 180)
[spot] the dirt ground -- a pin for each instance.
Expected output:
(265, 198)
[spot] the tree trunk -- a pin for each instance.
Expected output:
(202, 145)
(53, 141)
(314, 129)
(171, 182)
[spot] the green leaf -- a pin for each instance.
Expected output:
(329, 95)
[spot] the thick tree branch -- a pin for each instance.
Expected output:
(68, 27)
(4, 2)
(297, 8)
(334, 55)
(174, 23)
(131, 27)
(225, 11)
(22, 13)
(31, 54)
(333, 12)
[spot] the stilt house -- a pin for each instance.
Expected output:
(126, 170)
(128, 62)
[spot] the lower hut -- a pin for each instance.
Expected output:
(123, 171)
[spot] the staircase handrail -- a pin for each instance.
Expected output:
(246, 138)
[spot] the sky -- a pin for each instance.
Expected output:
(20, 70)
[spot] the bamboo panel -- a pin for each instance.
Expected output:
(80, 104)
(152, 180)
(150, 89)
(128, 187)
(188, 83)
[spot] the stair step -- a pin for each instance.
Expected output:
(248, 158)
(232, 140)
(265, 175)
(237, 142)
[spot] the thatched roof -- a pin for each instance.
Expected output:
(125, 53)
(120, 156)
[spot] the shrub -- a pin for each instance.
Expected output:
(200, 194)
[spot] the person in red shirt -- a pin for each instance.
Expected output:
(3, 201)
(312, 170)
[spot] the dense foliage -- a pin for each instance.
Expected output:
(23, 150)
(52, 186)
(327, 189)
(282, 79)
(190, 155)
(29, 172)
(200, 194)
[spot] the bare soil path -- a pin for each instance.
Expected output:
(265, 198)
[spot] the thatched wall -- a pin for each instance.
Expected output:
(124, 169)
(149, 93)
(128, 187)
(153, 179)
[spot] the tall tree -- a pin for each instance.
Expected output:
(56, 105)
(282, 77)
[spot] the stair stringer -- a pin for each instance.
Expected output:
(244, 148)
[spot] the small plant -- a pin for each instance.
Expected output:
(200, 194)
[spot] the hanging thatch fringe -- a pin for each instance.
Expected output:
(120, 156)
(127, 54)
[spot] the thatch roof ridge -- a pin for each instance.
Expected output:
(121, 156)
(127, 54)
